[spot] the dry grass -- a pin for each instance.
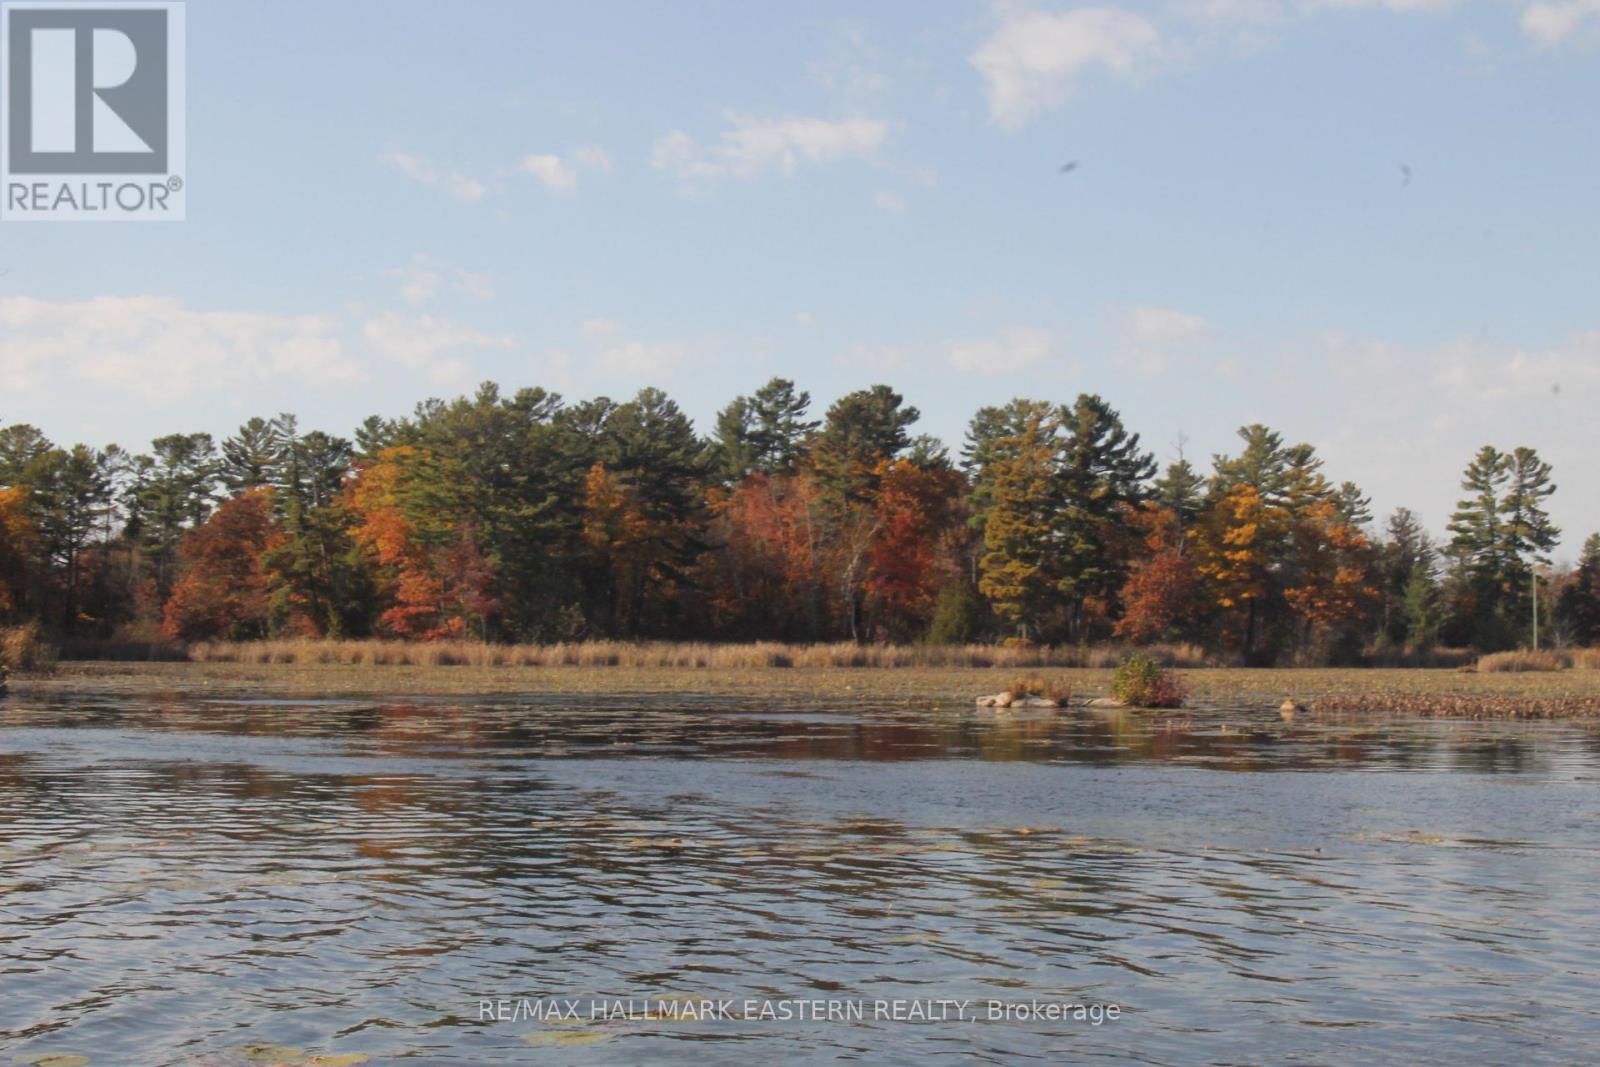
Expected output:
(666, 655)
(1524, 659)
(1034, 685)
(1585, 659)
(23, 648)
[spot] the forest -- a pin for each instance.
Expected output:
(525, 518)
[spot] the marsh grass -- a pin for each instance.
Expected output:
(668, 655)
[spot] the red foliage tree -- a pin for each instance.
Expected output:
(223, 590)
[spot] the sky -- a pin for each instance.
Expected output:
(1370, 224)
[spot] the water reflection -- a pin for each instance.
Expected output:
(204, 882)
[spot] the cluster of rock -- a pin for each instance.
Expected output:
(1029, 700)
(1017, 700)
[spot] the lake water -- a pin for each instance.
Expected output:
(188, 881)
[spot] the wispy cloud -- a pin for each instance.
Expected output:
(1162, 325)
(1551, 24)
(462, 186)
(890, 201)
(552, 171)
(424, 278)
(749, 146)
(157, 349)
(611, 349)
(559, 174)
(1004, 353)
(1032, 60)
(430, 344)
(1035, 59)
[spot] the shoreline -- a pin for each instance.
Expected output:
(1390, 692)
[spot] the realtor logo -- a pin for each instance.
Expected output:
(92, 122)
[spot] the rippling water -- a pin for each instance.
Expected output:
(185, 881)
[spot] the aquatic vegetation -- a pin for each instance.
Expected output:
(1142, 682)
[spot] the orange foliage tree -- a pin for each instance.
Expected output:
(770, 573)
(1236, 544)
(433, 573)
(18, 543)
(1162, 593)
(1335, 584)
(223, 589)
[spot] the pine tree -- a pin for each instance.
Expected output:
(251, 457)
(765, 432)
(1180, 490)
(1579, 606)
(1528, 531)
(1102, 471)
(861, 429)
(1018, 571)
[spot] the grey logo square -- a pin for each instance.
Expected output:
(87, 91)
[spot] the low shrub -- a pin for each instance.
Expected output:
(1144, 683)
(1523, 659)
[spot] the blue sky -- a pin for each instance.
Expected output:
(394, 200)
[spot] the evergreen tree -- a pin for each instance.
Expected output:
(861, 429)
(1101, 472)
(1262, 465)
(991, 439)
(1180, 490)
(766, 432)
(1579, 605)
(1477, 539)
(252, 456)
(1355, 508)
(1018, 571)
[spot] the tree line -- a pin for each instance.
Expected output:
(525, 517)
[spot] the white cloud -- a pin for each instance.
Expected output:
(609, 348)
(890, 201)
(877, 358)
(461, 186)
(552, 172)
(804, 319)
(1030, 62)
(1407, 419)
(1551, 24)
(1009, 351)
(156, 349)
(560, 174)
(1402, 7)
(593, 157)
(1163, 325)
(424, 278)
(430, 344)
(749, 146)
